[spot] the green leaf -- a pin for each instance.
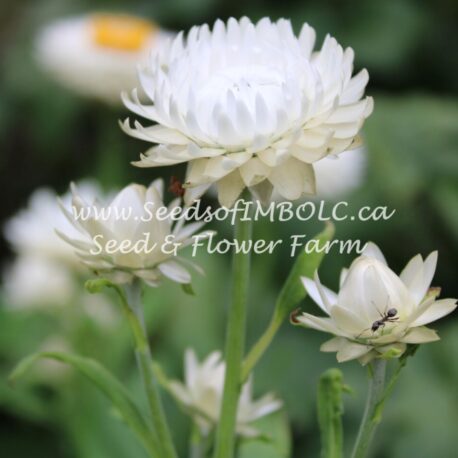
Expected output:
(106, 383)
(330, 411)
(290, 295)
(305, 266)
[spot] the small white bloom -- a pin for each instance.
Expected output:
(97, 55)
(127, 238)
(377, 312)
(202, 394)
(249, 105)
(33, 281)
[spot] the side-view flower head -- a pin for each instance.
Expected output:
(202, 394)
(249, 105)
(126, 238)
(377, 313)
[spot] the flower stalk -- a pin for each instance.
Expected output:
(260, 347)
(134, 314)
(235, 343)
(197, 443)
(371, 417)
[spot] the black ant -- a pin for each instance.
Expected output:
(388, 317)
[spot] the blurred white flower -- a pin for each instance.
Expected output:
(34, 281)
(376, 312)
(202, 394)
(249, 105)
(32, 231)
(126, 238)
(97, 55)
(46, 271)
(337, 176)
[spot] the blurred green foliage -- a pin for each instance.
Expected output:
(50, 137)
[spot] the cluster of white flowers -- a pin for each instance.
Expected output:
(243, 105)
(202, 394)
(376, 312)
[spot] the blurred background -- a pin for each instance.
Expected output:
(51, 135)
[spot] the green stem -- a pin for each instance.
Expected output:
(371, 417)
(235, 343)
(134, 314)
(260, 347)
(197, 444)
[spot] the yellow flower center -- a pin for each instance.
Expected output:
(121, 32)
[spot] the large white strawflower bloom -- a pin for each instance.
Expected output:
(249, 105)
(97, 55)
(128, 238)
(376, 312)
(202, 394)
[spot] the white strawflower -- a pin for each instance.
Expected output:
(126, 238)
(249, 105)
(376, 312)
(34, 281)
(202, 394)
(31, 232)
(97, 55)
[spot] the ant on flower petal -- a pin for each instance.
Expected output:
(388, 317)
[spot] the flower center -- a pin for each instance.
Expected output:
(120, 32)
(245, 83)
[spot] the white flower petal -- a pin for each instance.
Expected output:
(230, 188)
(292, 179)
(351, 351)
(420, 335)
(318, 323)
(174, 271)
(194, 193)
(334, 344)
(435, 311)
(371, 250)
(254, 171)
(312, 290)
(347, 321)
(343, 276)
